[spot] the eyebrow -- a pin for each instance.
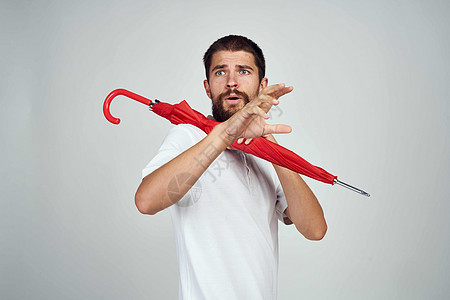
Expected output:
(239, 66)
(245, 67)
(218, 67)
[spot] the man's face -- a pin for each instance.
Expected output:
(233, 82)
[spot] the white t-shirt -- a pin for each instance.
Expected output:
(226, 225)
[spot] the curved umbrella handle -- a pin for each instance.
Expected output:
(123, 92)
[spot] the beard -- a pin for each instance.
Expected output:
(218, 105)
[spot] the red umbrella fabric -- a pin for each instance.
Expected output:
(182, 113)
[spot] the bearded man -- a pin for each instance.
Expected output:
(225, 204)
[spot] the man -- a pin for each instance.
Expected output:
(224, 203)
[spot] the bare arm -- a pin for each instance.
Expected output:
(304, 209)
(155, 193)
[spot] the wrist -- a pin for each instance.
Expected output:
(221, 131)
(270, 137)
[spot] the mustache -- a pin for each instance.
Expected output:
(236, 92)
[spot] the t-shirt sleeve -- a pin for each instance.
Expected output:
(281, 203)
(178, 140)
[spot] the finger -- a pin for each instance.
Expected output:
(266, 102)
(273, 88)
(262, 97)
(281, 92)
(256, 110)
(240, 140)
(269, 96)
(248, 141)
(250, 111)
(270, 90)
(277, 128)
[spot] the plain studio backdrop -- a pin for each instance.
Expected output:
(370, 104)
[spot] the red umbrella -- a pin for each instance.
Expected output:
(182, 113)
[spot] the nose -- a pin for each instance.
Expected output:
(231, 81)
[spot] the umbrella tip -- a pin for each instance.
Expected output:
(346, 185)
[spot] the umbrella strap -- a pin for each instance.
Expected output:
(152, 103)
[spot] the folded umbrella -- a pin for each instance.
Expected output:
(182, 113)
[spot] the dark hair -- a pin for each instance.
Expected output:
(236, 43)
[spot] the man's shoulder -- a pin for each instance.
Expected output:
(179, 138)
(187, 129)
(183, 135)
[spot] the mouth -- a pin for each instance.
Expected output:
(233, 99)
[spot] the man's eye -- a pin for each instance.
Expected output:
(219, 73)
(245, 72)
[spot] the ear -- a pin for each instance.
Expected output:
(207, 89)
(263, 84)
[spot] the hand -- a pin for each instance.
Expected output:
(249, 122)
(247, 141)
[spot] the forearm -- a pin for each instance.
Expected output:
(303, 207)
(169, 183)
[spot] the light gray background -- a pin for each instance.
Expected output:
(370, 105)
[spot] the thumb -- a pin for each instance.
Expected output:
(277, 128)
